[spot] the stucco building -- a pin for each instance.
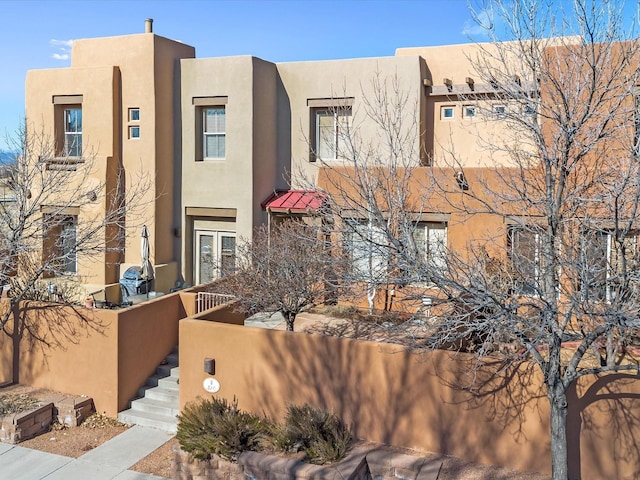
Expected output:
(221, 136)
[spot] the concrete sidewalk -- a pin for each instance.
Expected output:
(108, 461)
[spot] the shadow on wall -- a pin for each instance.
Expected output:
(36, 329)
(392, 396)
(604, 416)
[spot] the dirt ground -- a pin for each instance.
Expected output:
(74, 442)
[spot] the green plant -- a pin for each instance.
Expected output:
(323, 436)
(208, 427)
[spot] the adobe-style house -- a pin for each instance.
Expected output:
(118, 103)
(221, 135)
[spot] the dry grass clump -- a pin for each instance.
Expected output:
(17, 403)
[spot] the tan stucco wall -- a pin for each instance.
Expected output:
(348, 78)
(105, 354)
(461, 141)
(115, 74)
(391, 396)
(248, 173)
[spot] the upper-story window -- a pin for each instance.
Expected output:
(134, 114)
(469, 111)
(332, 132)
(72, 132)
(447, 113)
(214, 132)
(330, 128)
(499, 111)
(210, 128)
(68, 125)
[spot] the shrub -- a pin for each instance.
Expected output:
(321, 435)
(208, 427)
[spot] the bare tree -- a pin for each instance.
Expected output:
(563, 176)
(375, 189)
(58, 212)
(287, 268)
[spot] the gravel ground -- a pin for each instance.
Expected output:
(74, 442)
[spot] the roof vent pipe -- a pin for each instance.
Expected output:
(148, 25)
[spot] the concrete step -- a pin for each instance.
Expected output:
(173, 358)
(158, 407)
(146, 419)
(168, 370)
(171, 383)
(160, 393)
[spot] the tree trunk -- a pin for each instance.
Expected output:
(559, 458)
(289, 319)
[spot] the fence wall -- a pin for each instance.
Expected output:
(104, 354)
(392, 396)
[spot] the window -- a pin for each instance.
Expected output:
(431, 243)
(134, 132)
(446, 113)
(134, 114)
(607, 264)
(365, 244)
(215, 255)
(60, 243)
(214, 132)
(529, 110)
(499, 111)
(469, 111)
(332, 132)
(524, 254)
(72, 132)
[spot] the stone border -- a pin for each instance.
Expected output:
(364, 462)
(68, 410)
(17, 427)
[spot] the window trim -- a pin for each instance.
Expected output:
(445, 108)
(467, 108)
(340, 109)
(132, 128)
(66, 150)
(201, 104)
(131, 114)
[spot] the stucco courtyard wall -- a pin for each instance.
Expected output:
(104, 354)
(392, 396)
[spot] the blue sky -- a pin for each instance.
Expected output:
(36, 34)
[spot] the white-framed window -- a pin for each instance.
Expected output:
(524, 250)
(215, 255)
(134, 131)
(604, 263)
(469, 111)
(134, 114)
(366, 246)
(499, 111)
(214, 132)
(72, 118)
(447, 112)
(332, 130)
(431, 242)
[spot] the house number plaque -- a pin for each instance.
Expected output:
(211, 385)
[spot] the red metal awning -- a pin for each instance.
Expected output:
(294, 201)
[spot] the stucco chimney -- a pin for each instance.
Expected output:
(148, 25)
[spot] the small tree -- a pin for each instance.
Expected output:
(288, 268)
(57, 212)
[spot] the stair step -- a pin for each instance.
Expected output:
(170, 383)
(168, 370)
(172, 358)
(147, 419)
(160, 393)
(158, 407)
